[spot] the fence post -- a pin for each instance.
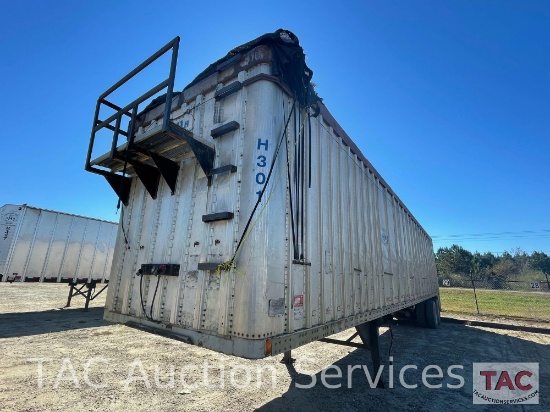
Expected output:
(475, 294)
(547, 281)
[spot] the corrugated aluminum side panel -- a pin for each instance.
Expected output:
(58, 245)
(71, 255)
(365, 254)
(24, 243)
(40, 244)
(55, 246)
(10, 224)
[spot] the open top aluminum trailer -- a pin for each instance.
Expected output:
(252, 224)
(48, 246)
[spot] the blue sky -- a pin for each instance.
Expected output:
(449, 100)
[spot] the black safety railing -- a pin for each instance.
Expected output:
(120, 182)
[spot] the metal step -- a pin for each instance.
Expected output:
(224, 129)
(214, 217)
(209, 266)
(223, 169)
(228, 90)
(153, 154)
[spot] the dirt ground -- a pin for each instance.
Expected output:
(89, 364)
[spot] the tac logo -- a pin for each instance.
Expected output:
(506, 383)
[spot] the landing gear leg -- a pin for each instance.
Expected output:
(368, 332)
(287, 358)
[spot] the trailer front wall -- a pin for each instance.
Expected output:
(44, 245)
(361, 254)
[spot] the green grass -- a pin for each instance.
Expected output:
(529, 305)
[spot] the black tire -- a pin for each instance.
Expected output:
(420, 310)
(432, 314)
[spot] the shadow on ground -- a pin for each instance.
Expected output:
(451, 344)
(51, 321)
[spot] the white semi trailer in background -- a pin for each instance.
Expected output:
(252, 223)
(39, 245)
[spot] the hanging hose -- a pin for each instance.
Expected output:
(122, 224)
(294, 242)
(302, 184)
(154, 295)
(141, 297)
(309, 146)
(121, 186)
(228, 264)
(296, 179)
(150, 316)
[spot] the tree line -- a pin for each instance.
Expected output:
(457, 262)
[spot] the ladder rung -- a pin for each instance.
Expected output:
(223, 169)
(212, 217)
(208, 266)
(224, 129)
(227, 90)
